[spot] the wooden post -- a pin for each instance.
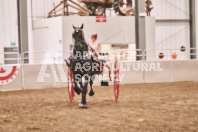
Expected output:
(67, 9)
(64, 13)
(54, 8)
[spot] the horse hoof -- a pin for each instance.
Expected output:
(77, 90)
(91, 93)
(81, 105)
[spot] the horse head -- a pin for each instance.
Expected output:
(79, 44)
(78, 32)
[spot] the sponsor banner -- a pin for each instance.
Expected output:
(101, 19)
(8, 74)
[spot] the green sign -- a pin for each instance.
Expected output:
(13, 44)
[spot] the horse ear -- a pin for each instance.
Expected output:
(82, 26)
(74, 27)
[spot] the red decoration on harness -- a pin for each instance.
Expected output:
(71, 86)
(92, 50)
(99, 68)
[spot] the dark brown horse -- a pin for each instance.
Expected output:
(83, 65)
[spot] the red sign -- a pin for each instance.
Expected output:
(101, 19)
(8, 74)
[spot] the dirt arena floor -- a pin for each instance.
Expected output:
(142, 107)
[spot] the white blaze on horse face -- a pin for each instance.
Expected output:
(77, 30)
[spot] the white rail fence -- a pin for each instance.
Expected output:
(51, 57)
(170, 54)
(10, 58)
(177, 65)
(43, 57)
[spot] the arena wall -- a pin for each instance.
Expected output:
(45, 76)
(56, 75)
(55, 34)
(132, 76)
(159, 76)
(184, 71)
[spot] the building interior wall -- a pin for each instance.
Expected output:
(196, 21)
(8, 23)
(172, 21)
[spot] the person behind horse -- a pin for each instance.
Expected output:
(95, 48)
(94, 43)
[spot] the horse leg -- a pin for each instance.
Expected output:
(81, 83)
(76, 88)
(83, 103)
(91, 93)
